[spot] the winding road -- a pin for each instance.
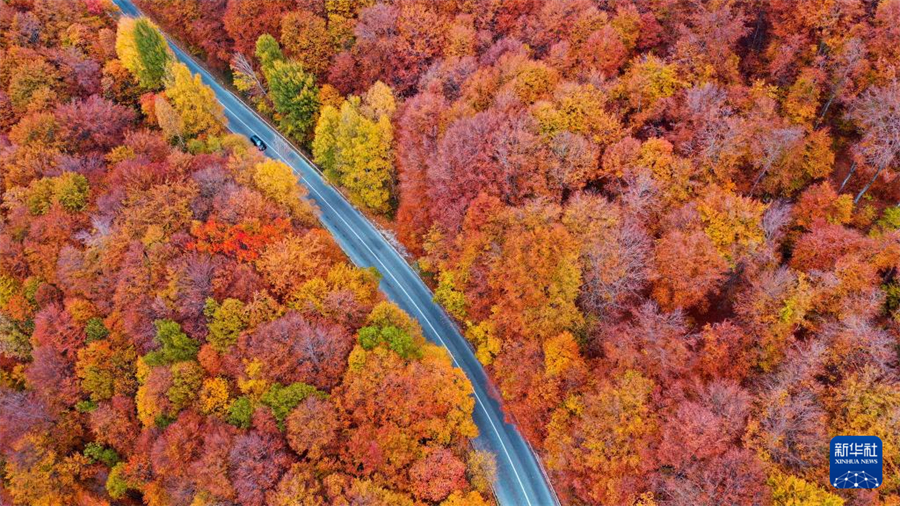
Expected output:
(520, 479)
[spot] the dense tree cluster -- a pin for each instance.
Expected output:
(176, 328)
(668, 227)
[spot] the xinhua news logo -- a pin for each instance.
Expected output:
(856, 462)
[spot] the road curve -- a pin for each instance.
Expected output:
(520, 479)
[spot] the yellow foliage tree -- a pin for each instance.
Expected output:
(802, 101)
(648, 80)
(342, 277)
(560, 353)
(457, 498)
(200, 112)
(387, 314)
(187, 379)
(732, 222)
(362, 283)
(448, 295)
(278, 182)
(535, 80)
(252, 384)
(378, 101)
(670, 170)
(330, 96)
(484, 338)
(645, 499)
(355, 147)
(214, 398)
(325, 141)
(790, 490)
(579, 109)
(481, 469)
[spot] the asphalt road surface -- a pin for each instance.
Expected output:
(520, 480)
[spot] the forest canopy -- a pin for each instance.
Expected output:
(176, 327)
(668, 228)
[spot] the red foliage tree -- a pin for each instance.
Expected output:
(437, 475)
(256, 462)
(114, 423)
(294, 349)
(244, 241)
(417, 137)
(93, 124)
(244, 21)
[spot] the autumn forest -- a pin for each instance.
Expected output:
(669, 230)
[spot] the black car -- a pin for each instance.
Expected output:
(260, 145)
